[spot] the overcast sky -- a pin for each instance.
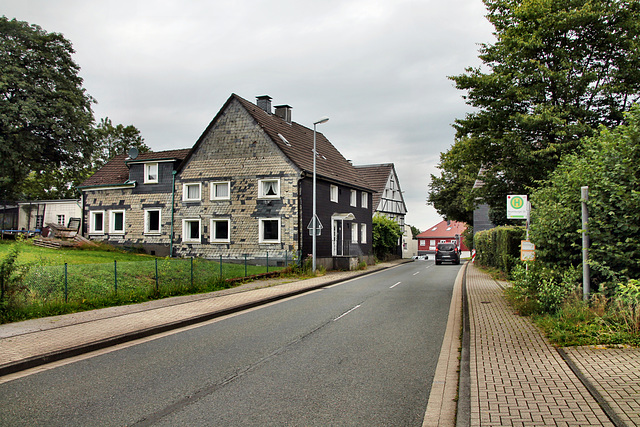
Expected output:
(377, 68)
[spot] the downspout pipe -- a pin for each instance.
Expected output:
(173, 199)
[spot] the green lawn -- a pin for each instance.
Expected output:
(101, 277)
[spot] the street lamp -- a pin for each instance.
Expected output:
(314, 217)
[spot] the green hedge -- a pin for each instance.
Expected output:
(499, 247)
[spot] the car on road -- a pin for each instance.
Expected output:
(447, 252)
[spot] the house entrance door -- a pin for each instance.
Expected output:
(338, 237)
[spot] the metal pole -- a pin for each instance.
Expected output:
(66, 290)
(173, 202)
(245, 265)
(586, 279)
(313, 218)
(192, 272)
(157, 287)
(115, 275)
(221, 266)
(267, 261)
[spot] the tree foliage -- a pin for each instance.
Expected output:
(45, 114)
(386, 234)
(558, 70)
(112, 140)
(609, 164)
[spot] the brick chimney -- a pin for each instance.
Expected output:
(284, 112)
(264, 102)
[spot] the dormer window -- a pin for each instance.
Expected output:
(150, 173)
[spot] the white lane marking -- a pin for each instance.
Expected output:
(391, 287)
(417, 272)
(345, 313)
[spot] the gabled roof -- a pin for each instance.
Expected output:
(116, 171)
(296, 143)
(443, 229)
(377, 177)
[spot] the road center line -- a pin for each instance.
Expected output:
(417, 272)
(345, 313)
(391, 287)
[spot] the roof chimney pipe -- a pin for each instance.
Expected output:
(284, 112)
(264, 102)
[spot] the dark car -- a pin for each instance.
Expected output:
(447, 252)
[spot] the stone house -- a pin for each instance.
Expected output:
(244, 188)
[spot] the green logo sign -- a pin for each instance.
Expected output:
(517, 202)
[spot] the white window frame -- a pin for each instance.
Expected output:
(261, 193)
(214, 238)
(333, 193)
(363, 233)
(354, 198)
(365, 199)
(148, 166)
(185, 191)
(147, 230)
(186, 236)
(212, 190)
(61, 219)
(261, 238)
(354, 232)
(112, 221)
(92, 222)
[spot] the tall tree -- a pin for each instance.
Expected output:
(112, 140)
(45, 114)
(558, 70)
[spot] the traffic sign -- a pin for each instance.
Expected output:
(318, 226)
(516, 207)
(527, 250)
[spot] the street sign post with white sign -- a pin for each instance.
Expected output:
(516, 207)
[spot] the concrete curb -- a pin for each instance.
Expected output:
(441, 408)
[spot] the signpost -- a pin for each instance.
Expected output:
(517, 207)
(527, 250)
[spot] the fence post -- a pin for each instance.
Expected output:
(286, 259)
(66, 290)
(220, 266)
(245, 265)
(115, 275)
(191, 272)
(267, 261)
(157, 286)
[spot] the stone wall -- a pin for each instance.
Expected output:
(236, 149)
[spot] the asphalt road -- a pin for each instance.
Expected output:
(362, 352)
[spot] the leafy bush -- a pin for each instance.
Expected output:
(11, 277)
(609, 165)
(499, 247)
(386, 233)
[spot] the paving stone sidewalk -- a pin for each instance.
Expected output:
(519, 379)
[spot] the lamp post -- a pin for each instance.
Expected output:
(313, 218)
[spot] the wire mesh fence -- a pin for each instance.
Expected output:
(160, 277)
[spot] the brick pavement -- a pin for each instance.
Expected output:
(615, 374)
(517, 377)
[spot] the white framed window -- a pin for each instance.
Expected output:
(269, 188)
(354, 233)
(152, 221)
(116, 222)
(96, 222)
(269, 229)
(61, 220)
(333, 193)
(191, 192)
(423, 243)
(150, 173)
(365, 200)
(353, 201)
(220, 231)
(191, 230)
(220, 190)
(363, 233)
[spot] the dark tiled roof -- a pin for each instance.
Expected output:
(297, 145)
(377, 177)
(115, 171)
